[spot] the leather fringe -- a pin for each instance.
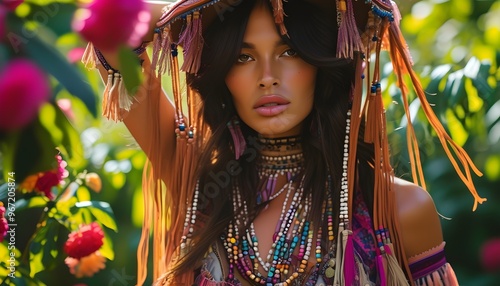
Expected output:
(191, 39)
(348, 39)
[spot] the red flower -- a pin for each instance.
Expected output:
(4, 225)
(85, 241)
(111, 23)
(23, 89)
(45, 182)
(490, 255)
(49, 179)
(11, 4)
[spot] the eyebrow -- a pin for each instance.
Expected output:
(246, 45)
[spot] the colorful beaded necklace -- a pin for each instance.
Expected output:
(294, 233)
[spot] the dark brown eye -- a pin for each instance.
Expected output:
(290, 53)
(243, 58)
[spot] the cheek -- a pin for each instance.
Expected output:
(303, 77)
(237, 85)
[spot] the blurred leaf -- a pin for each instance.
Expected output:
(130, 69)
(137, 207)
(83, 194)
(70, 141)
(492, 167)
(55, 15)
(51, 61)
(101, 211)
(106, 217)
(28, 152)
(36, 256)
(32, 202)
(50, 249)
(436, 77)
(455, 89)
(479, 73)
(107, 248)
(118, 180)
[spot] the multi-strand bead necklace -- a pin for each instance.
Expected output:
(293, 239)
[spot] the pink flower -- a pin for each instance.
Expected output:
(11, 4)
(490, 255)
(65, 106)
(86, 266)
(4, 225)
(111, 23)
(75, 55)
(23, 89)
(85, 241)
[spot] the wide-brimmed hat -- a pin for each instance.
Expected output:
(183, 22)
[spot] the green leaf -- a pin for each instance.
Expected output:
(107, 248)
(50, 60)
(101, 211)
(130, 69)
(33, 202)
(455, 88)
(479, 73)
(36, 264)
(71, 141)
(50, 248)
(437, 76)
(55, 16)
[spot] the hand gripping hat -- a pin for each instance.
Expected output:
(365, 28)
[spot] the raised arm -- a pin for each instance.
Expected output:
(151, 106)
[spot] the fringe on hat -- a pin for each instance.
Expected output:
(191, 40)
(279, 15)
(402, 66)
(348, 39)
(161, 50)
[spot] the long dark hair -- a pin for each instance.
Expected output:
(313, 35)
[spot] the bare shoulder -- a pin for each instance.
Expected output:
(419, 221)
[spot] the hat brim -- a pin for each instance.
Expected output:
(176, 12)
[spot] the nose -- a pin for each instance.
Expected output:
(269, 76)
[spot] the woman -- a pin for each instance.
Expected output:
(277, 175)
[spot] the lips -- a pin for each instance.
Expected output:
(271, 105)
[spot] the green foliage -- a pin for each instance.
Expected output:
(41, 32)
(458, 58)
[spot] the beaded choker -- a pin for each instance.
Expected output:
(288, 162)
(282, 144)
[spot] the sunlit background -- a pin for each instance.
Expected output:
(456, 49)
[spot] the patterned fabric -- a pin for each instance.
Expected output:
(364, 237)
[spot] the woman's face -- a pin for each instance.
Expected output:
(271, 86)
